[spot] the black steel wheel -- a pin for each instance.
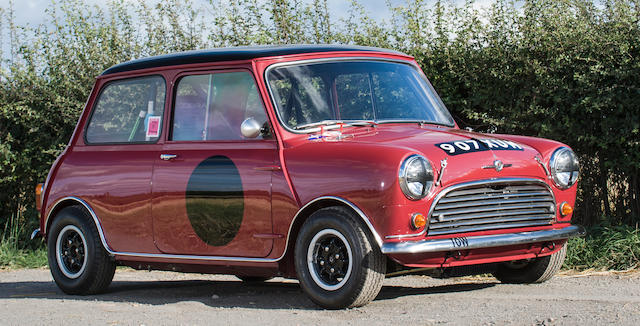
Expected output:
(535, 270)
(78, 262)
(329, 259)
(337, 263)
(71, 247)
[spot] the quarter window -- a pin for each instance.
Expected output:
(213, 106)
(128, 111)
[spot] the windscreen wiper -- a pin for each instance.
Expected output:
(334, 124)
(419, 122)
(319, 123)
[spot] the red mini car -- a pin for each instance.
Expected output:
(335, 165)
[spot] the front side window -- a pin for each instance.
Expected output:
(128, 111)
(379, 91)
(213, 106)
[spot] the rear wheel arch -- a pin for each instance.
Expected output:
(81, 204)
(57, 207)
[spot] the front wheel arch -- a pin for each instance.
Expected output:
(315, 205)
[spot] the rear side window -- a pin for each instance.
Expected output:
(213, 106)
(128, 111)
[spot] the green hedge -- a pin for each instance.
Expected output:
(567, 70)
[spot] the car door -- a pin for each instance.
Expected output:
(211, 186)
(111, 168)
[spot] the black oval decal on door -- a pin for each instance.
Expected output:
(215, 200)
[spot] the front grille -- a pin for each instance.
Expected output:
(490, 205)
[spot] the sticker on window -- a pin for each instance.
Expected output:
(153, 127)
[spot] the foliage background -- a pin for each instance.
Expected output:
(564, 69)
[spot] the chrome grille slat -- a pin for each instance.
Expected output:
(493, 213)
(494, 195)
(457, 193)
(442, 225)
(494, 202)
(460, 211)
(490, 205)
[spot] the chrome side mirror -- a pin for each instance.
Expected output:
(250, 128)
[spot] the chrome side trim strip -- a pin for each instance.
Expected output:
(213, 258)
(484, 241)
(200, 258)
(402, 236)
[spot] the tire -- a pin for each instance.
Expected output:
(253, 279)
(78, 262)
(336, 282)
(537, 270)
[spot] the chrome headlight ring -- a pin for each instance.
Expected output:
(415, 177)
(564, 167)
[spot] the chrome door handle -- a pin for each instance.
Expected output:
(168, 157)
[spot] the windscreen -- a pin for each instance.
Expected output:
(379, 91)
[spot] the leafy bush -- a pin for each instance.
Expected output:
(567, 70)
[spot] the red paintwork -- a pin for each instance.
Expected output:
(116, 185)
(172, 229)
(143, 212)
(478, 256)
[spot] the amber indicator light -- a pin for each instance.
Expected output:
(418, 221)
(39, 188)
(565, 209)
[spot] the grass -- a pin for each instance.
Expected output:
(12, 257)
(16, 249)
(605, 248)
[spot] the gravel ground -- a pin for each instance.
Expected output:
(29, 297)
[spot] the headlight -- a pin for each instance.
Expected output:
(564, 167)
(415, 177)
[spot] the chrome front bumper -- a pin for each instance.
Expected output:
(483, 241)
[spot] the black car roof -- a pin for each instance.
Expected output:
(232, 53)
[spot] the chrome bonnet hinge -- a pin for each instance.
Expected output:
(443, 165)
(544, 167)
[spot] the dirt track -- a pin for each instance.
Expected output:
(29, 297)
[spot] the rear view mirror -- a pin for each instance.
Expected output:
(250, 128)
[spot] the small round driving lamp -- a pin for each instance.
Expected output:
(418, 221)
(564, 167)
(565, 209)
(415, 177)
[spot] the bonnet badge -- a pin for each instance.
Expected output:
(498, 165)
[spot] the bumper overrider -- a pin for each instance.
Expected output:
(483, 241)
